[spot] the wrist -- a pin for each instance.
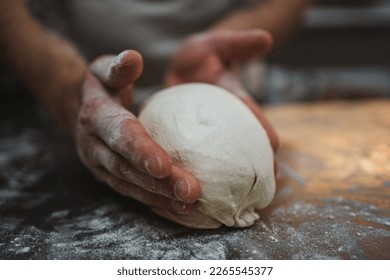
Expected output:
(50, 67)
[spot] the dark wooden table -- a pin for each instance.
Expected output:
(332, 200)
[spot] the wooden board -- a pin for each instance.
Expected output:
(334, 167)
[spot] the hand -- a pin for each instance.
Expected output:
(116, 148)
(213, 57)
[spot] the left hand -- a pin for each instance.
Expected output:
(213, 57)
(116, 148)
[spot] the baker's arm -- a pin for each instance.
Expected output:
(50, 67)
(110, 140)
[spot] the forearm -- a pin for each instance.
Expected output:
(49, 66)
(279, 17)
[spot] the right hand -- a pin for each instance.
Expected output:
(116, 148)
(214, 57)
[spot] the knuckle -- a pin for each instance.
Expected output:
(154, 186)
(116, 138)
(159, 187)
(89, 110)
(122, 168)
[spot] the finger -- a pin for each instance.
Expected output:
(241, 45)
(227, 45)
(118, 71)
(186, 187)
(146, 197)
(180, 185)
(124, 134)
(126, 96)
(273, 137)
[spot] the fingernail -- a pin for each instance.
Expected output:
(153, 166)
(180, 207)
(182, 190)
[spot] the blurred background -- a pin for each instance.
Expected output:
(342, 50)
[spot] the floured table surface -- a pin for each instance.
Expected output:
(332, 200)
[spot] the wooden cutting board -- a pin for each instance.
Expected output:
(335, 157)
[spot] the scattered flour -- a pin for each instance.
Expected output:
(67, 215)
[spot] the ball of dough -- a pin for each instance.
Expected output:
(209, 132)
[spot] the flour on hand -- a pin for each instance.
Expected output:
(209, 132)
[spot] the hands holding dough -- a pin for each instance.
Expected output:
(191, 140)
(209, 132)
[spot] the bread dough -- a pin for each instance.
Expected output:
(209, 132)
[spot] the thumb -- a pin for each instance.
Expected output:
(118, 71)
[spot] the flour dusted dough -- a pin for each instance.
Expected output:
(212, 134)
